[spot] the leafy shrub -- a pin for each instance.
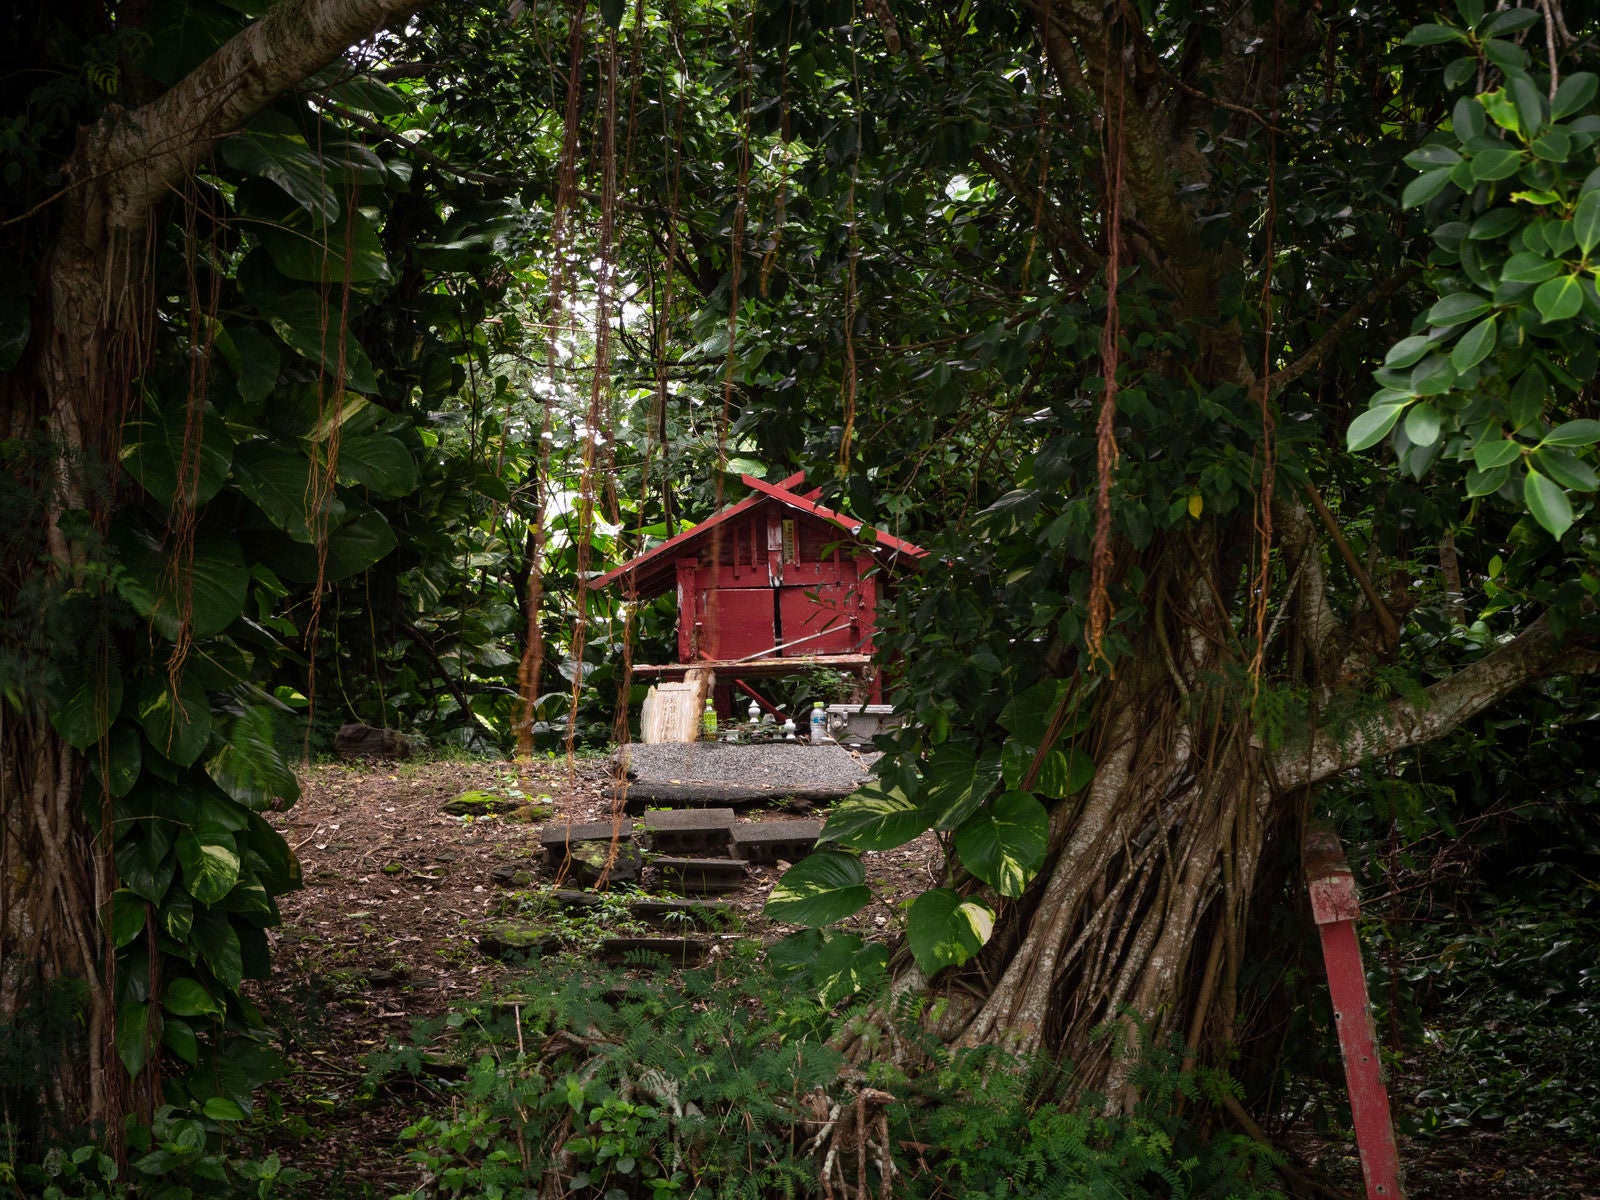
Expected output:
(717, 1084)
(178, 1156)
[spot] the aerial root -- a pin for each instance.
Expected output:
(855, 1129)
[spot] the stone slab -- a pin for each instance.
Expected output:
(705, 913)
(689, 831)
(591, 864)
(701, 876)
(507, 939)
(677, 951)
(559, 836)
(769, 841)
(723, 774)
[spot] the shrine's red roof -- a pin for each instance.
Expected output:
(655, 570)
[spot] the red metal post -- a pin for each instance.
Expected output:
(1335, 908)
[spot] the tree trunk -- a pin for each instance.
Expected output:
(1138, 917)
(65, 403)
(54, 879)
(1138, 921)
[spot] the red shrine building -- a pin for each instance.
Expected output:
(772, 585)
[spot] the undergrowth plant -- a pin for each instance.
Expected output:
(725, 1081)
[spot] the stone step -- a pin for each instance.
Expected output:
(582, 852)
(509, 939)
(557, 836)
(706, 914)
(770, 841)
(638, 797)
(677, 951)
(701, 876)
(692, 832)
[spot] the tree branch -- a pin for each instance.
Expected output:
(1335, 332)
(1536, 653)
(150, 149)
(1062, 233)
(1386, 621)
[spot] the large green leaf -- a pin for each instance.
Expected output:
(1422, 425)
(956, 781)
(1567, 469)
(1027, 717)
(218, 943)
(213, 594)
(270, 856)
(348, 249)
(838, 966)
(210, 863)
(1004, 843)
(143, 863)
(156, 449)
(824, 887)
(368, 95)
(1489, 165)
(188, 997)
(1548, 503)
(1576, 91)
(1559, 298)
(178, 726)
(1584, 431)
(876, 819)
(944, 930)
(133, 1036)
(117, 762)
(1496, 452)
(278, 481)
(128, 913)
(1061, 772)
(84, 715)
(309, 324)
(1474, 346)
(351, 549)
(1372, 426)
(177, 914)
(248, 766)
(291, 164)
(378, 461)
(178, 1036)
(259, 363)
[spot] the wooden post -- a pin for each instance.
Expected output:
(1335, 908)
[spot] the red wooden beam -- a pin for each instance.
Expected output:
(1334, 907)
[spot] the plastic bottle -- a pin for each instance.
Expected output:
(819, 723)
(708, 723)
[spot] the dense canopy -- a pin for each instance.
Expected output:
(1234, 362)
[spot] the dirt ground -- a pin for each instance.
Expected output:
(384, 934)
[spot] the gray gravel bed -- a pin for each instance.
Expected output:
(762, 769)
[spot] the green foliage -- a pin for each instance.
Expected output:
(1482, 965)
(1498, 363)
(689, 1087)
(1506, 1000)
(178, 1156)
(706, 1086)
(996, 1130)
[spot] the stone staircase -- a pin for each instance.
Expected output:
(686, 858)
